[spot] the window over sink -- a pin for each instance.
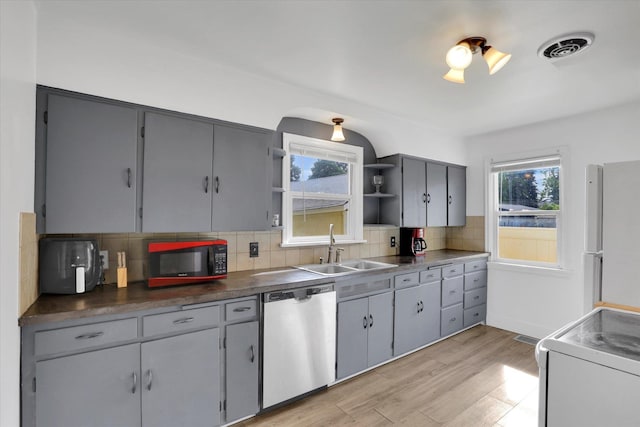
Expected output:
(322, 185)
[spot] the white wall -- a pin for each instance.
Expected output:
(17, 110)
(117, 64)
(533, 302)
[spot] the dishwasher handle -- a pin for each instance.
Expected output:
(299, 294)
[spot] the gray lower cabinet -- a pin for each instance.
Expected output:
(178, 180)
(241, 191)
(89, 182)
(242, 375)
(99, 388)
(417, 317)
(475, 292)
(365, 333)
(180, 380)
(452, 311)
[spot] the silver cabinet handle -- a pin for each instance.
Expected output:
(424, 197)
(476, 314)
(421, 306)
(206, 184)
(134, 386)
(129, 177)
(365, 323)
(453, 319)
(217, 183)
(476, 280)
(90, 335)
(428, 198)
(241, 309)
(476, 297)
(149, 379)
(183, 320)
(418, 307)
(452, 271)
(406, 280)
(370, 321)
(451, 292)
(253, 355)
(450, 200)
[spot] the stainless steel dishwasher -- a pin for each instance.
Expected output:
(299, 342)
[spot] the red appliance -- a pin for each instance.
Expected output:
(184, 263)
(412, 241)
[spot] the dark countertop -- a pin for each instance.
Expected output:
(109, 299)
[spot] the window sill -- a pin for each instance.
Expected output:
(529, 269)
(314, 244)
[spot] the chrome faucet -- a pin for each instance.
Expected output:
(332, 241)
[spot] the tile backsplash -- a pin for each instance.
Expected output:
(271, 255)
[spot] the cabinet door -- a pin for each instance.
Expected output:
(241, 193)
(414, 193)
(407, 315)
(178, 156)
(181, 380)
(242, 370)
(380, 338)
(436, 195)
(99, 388)
(457, 196)
(353, 324)
(90, 167)
(429, 321)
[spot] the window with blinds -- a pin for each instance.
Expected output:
(526, 211)
(323, 185)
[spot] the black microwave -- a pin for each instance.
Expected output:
(183, 263)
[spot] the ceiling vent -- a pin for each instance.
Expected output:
(565, 46)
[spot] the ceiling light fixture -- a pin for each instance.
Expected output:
(337, 130)
(459, 57)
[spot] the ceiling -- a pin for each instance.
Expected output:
(389, 55)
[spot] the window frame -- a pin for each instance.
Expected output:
(354, 228)
(535, 159)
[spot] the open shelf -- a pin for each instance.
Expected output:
(379, 195)
(379, 166)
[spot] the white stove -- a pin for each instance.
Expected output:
(590, 371)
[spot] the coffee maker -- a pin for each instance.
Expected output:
(412, 242)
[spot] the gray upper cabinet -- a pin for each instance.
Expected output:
(98, 388)
(430, 193)
(91, 165)
(241, 191)
(436, 195)
(180, 380)
(414, 193)
(457, 195)
(242, 376)
(178, 183)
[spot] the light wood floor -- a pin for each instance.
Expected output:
(480, 377)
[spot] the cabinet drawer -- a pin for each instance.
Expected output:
(475, 280)
(85, 336)
(406, 280)
(349, 289)
(452, 270)
(178, 321)
(241, 310)
(451, 319)
(475, 315)
(431, 275)
(475, 297)
(470, 267)
(452, 292)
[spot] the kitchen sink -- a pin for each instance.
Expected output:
(347, 267)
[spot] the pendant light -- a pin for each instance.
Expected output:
(459, 57)
(337, 136)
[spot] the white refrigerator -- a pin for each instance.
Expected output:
(612, 238)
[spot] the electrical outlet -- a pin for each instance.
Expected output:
(393, 241)
(253, 249)
(104, 259)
